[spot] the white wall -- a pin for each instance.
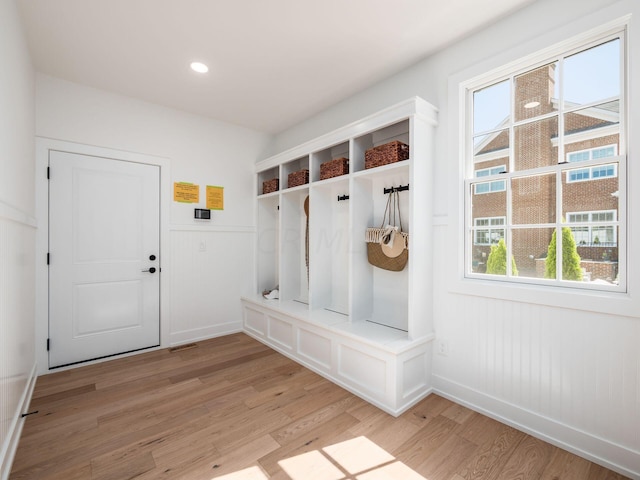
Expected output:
(205, 286)
(569, 375)
(17, 230)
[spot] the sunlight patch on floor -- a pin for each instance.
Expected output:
(393, 471)
(358, 455)
(252, 473)
(311, 466)
(358, 458)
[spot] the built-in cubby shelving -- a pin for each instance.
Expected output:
(367, 329)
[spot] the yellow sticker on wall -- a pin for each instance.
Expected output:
(186, 192)
(215, 197)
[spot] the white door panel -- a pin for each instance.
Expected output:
(103, 230)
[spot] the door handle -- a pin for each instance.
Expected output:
(151, 270)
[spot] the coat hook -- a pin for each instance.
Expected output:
(400, 188)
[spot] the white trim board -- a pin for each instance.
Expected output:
(10, 446)
(583, 444)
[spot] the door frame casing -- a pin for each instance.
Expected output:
(43, 146)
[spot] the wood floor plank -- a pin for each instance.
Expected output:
(421, 446)
(227, 404)
(479, 428)
(490, 458)
(321, 416)
(566, 466)
(125, 465)
(330, 431)
(528, 460)
(427, 409)
(387, 432)
(447, 458)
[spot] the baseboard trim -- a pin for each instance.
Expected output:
(595, 449)
(197, 334)
(15, 430)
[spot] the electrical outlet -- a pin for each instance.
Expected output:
(443, 347)
(203, 246)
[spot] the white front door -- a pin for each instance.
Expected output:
(104, 259)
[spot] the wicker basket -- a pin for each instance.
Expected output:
(334, 168)
(384, 154)
(298, 178)
(269, 186)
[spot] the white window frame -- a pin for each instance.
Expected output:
(590, 171)
(489, 228)
(591, 223)
(510, 72)
(591, 151)
(491, 171)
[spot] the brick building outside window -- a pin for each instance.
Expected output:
(547, 149)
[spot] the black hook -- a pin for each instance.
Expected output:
(400, 188)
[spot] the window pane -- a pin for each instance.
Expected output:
(534, 144)
(535, 92)
(577, 217)
(530, 247)
(534, 199)
(582, 235)
(579, 156)
(491, 259)
(491, 151)
(579, 175)
(605, 152)
(488, 206)
(481, 188)
(603, 171)
(571, 258)
(488, 219)
(583, 200)
(592, 75)
(491, 107)
(591, 129)
(599, 261)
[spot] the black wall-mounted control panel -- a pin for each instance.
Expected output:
(202, 214)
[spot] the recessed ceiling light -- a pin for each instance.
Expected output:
(531, 104)
(199, 67)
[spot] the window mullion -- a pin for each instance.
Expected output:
(508, 183)
(561, 158)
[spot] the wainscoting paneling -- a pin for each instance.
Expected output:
(569, 376)
(17, 357)
(209, 271)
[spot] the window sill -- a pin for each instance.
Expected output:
(599, 301)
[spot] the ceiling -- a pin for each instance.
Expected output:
(272, 63)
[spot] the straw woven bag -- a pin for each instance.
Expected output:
(388, 246)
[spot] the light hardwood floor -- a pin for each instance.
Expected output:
(228, 404)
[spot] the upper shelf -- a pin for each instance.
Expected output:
(350, 141)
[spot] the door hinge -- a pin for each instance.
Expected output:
(48, 258)
(48, 343)
(48, 173)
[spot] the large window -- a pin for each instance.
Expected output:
(546, 159)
